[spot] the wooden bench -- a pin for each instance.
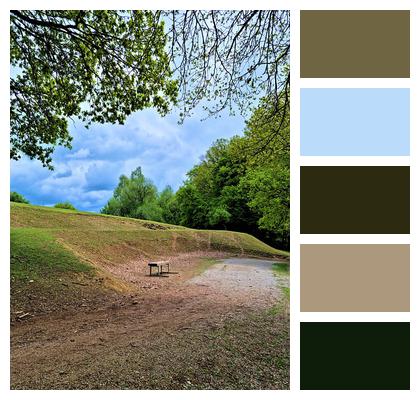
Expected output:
(159, 265)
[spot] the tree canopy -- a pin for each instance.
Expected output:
(65, 205)
(18, 198)
(99, 66)
(230, 57)
(135, 197)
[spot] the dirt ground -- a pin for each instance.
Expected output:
(195, 328)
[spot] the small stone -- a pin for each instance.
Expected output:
(21, 316)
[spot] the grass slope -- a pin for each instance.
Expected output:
(281, 272)
(35, 254)
(51, 248)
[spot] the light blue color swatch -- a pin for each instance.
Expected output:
(355, 122)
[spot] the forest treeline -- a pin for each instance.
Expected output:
(241, 184)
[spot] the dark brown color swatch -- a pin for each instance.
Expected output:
(355, 277)
(355, 44)
(355, 200)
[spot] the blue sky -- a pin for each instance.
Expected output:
(355, 122)
(87, 174)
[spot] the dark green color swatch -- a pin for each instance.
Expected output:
(355, 44)
(355, 355)
(355, 200)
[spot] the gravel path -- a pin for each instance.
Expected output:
(246, 278)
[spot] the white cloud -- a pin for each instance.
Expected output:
(82, 153)
(87, 174)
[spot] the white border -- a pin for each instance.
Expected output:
(294, 200)
(354, 239)
(355, 316)
(355, 161)
(296, 160)
(215, 4)
(325, 83)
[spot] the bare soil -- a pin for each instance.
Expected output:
(191, 329)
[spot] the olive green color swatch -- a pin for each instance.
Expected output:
(355, 44)
(355, 200)
(355, 355)
(355, 277)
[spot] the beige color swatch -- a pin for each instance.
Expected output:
(355, 277)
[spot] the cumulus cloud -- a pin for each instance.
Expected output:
(102, 175)
(82, 153)
(87, 174)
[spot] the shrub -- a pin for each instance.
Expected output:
(18, 198)
(66, 205)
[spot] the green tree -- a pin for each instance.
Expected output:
(191, 207)
(211, 196)
(242, 184)
(165, 201)
(66, 205)
(18, 198)
(268, 191)
(150, 210)
(219, 216)
(99, 66)
(135, 197)
(266, 149)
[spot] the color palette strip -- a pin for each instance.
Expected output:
(355, 278)
(358, 200)
(354, 199)
(355, 355)
(355, 122)
(355, 44)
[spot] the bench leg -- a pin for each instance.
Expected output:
(151, 267)
(159, 269)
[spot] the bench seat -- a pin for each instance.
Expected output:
(159, 265)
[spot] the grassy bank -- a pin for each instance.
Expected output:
(52, 248)
(281, 272)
